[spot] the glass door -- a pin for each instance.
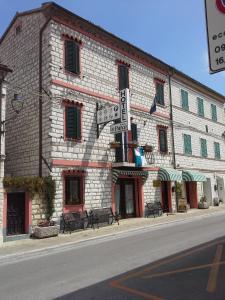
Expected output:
(124, 198)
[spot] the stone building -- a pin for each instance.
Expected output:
(4, 71)
(65, 66)
(199, 136)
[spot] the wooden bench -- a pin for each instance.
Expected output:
(74, 220)
(102, 216)
(154, 209)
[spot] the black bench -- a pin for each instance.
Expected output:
(74, 220)
(102, 216)
(153, 209)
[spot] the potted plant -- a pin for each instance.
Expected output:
(148, 148)
(114, 145)
(132, 144)
(203, 203)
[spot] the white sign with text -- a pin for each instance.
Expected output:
(215, 23)
(108, 114)
(125, 107)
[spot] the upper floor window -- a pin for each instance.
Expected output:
(159, 92)
(204, 152)
(187, 144)
(73, 121)
(123, 71)
(217, 150)
(72, 56)
(163, 146)
(200, 107)
(213, 112)
(184, 100)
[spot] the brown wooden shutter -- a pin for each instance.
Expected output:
(73, 128)
(72, 56)
(163, 140)
(123, 77)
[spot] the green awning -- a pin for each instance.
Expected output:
(116, 173)
(192, 176)
(168, 174)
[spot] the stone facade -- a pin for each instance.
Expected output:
(100, 53)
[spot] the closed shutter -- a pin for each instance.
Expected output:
(162, 140)
(123, 77)
(200, 107)
(73, 128)
(160, 93)
(184, 99)
(72, 57)
(213, 112)
(134, 132)
(217, 150)
(203, 148)
(187, 144)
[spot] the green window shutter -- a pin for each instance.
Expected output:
(184, 100)
(123, 77)
(73, 122)
(72, 56)
(160, 93)
(200, 107)
(203, 148)
(187, 144)
(213, 112)
(217, 150)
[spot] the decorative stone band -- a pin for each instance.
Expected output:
(193, 176)
(116, 173)
(168, 174)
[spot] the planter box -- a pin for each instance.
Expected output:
(45, 232)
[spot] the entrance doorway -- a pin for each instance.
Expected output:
(15, 213)
(125, 198)
(165, 190)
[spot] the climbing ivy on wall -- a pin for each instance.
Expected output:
(45, 187)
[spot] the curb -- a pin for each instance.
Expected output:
(26, 254)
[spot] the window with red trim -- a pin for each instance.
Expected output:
(74, 190)
(73, 122)
(72, 56)
(163, 145)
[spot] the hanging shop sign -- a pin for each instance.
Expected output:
(108, 114)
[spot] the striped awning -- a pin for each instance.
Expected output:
(168, 174)
(116, 173)
(192, 176)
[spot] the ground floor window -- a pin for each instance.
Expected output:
(73, 190)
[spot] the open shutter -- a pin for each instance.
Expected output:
(123, 77)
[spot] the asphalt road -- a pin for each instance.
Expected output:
(97, 269)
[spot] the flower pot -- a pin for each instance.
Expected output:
(148, 148)
(203, 205)
(114, 145)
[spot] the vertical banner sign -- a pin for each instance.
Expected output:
(215, 24)
(125, 107)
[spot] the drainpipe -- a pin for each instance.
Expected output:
(171, 119)
(40, 94)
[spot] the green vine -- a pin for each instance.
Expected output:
(44, 187)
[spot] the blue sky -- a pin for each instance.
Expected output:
(172, 30)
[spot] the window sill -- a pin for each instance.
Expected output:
(73, 208)
(66, 72)
(73, 140)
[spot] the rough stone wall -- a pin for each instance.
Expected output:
(38, 210)
(21, 53)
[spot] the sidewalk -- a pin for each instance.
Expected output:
(34, 245)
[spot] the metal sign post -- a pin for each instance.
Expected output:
(215, 24)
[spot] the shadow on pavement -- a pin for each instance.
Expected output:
(196, 274)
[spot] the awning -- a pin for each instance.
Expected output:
(168, 174)
(116, 173)
(192, 176)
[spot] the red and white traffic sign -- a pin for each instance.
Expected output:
(215, 23)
